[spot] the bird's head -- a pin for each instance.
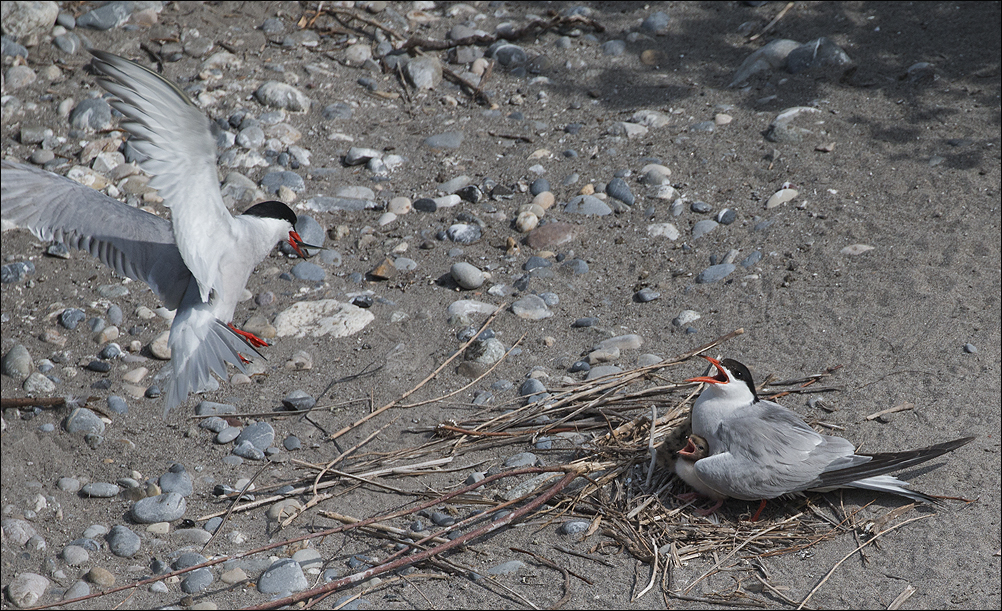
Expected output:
(732, 381)
(283, 214)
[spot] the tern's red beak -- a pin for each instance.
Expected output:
(720, 378)
(298, 244)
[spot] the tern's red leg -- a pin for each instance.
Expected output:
(252, 339)
(758, 513)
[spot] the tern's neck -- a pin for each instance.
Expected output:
(715, 404)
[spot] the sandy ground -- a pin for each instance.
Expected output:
(914, 172)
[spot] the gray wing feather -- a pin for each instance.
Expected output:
(134, 243)
(181, 155)
(770, 451)
(878, 464)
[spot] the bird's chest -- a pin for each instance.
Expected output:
(707, 414)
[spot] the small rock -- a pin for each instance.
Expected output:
(84, 421)
(551, 235)
(665, 230)
(284, 575)
(163, 508)
(100, 577)
(38, 384)
(100, 490)
(177, 479)
(311, 272)
(122, 541)
(197, 580)
(781, 197)
(587, 205)
(448, 140)
(522, 459)
(618, 188)
(752, 259)
(282, 95)
(769, 57)
(91, 115)
(74, 555)
(702, 228)
(685, 317)
(856, 249)
(573, 527)
(78, 589)
(209, 408)
(646, 294)
(17, 363)
(260, 435)
(424, 72)
(462, 233)
(714, 273)
(25, 589)
(298, 400)
(15, 272)
(467, 276)
(531, 307)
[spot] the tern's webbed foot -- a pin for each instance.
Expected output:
(249, 337)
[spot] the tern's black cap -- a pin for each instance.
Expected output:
(273, 210)
(741, 374)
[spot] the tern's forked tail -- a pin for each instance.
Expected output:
(200, 343)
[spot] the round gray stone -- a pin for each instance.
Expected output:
(17, 363)
(177, 479)
(82, 420)
(228, 434)
(100, 490)
(448, 140)
(261, 435)
(164, 508)
(714, 273)
(25, 589)
(467, 276)
(522, 459)
(122, 541)
(702, 228)
(196, 581)
(311, 272)
(284, 575)
(573, 527)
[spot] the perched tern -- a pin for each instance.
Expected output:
(199, 262)
(751, 449)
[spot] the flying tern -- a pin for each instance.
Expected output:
(197, 263)
(752, 449)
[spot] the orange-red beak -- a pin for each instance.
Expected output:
(298, 244)
(720, 378)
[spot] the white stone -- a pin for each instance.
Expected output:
(663, 230)
(322, 317)
(781, 197)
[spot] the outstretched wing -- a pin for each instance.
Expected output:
(134, 243)
(174, 134)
